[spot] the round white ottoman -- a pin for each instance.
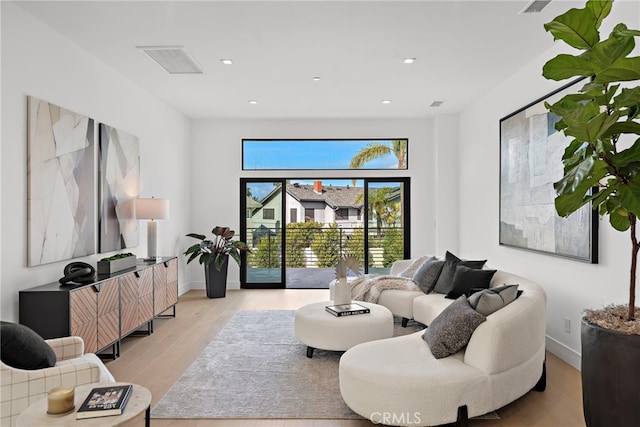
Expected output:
(316, 328)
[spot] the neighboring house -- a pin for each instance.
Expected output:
(252, 206)
(325, 204)
(310, 203)
(265, 217)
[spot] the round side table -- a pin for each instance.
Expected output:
(139, 401)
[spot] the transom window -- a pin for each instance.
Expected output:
(327, 154)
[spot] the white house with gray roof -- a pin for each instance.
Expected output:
(325, 204)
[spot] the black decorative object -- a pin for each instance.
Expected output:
(216, 280)
(610, 372)
(78, 273)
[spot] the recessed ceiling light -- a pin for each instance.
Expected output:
(409, 60)
(386, 101)
(226, 61)
(253, 102)
(316, 79)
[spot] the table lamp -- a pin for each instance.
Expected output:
(152, 209)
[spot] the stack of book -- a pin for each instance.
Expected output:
(346, 309)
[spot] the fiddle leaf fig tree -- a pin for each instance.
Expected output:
(602, 121)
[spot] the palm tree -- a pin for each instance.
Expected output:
(379, 205)
(375, 150)
(391, 214)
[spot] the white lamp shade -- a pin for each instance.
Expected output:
(152, 208)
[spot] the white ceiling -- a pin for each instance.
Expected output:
(463, 49)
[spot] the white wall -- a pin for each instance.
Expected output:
(445, 184)
(571, 286)
(216, 171)
(39, 62)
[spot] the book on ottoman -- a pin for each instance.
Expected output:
(346, 309)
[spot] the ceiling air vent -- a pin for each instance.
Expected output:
(535, 6)
(436, 103)
(174, 59)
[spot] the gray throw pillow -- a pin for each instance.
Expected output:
(427, 275)
(23, 348)
(491, 300)
(413, 267)
(444, 285)
(451, 330)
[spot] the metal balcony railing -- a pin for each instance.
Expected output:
(320, 247)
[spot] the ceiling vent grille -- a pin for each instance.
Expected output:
(436, 103)
(535, 6)
(174, 59)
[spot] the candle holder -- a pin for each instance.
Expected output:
(60, 401)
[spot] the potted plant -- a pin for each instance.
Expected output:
(116, 263)
(602, 120)
(216, 251)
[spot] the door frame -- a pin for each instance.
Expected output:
(243, 235)
(406, 220)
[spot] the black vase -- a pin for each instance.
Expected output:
(216, 280)
(610, 372)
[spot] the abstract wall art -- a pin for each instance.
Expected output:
(119, 188)
(61, 183)
(530, 162)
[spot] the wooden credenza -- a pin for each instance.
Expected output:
(105, 311)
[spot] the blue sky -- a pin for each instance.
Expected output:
(309, 154)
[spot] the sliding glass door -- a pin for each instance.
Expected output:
(387, 223)
(262, 229)
(298, 228)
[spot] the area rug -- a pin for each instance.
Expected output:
(255, 368)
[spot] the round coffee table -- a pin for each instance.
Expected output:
(36, 413)
(316, 328)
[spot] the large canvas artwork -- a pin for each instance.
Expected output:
(61, 183)
(119, 188)
(530, 162)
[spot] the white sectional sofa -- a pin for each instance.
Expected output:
(398, 381)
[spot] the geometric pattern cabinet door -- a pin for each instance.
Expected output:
(136, 299)
(172, 282)
(130, 297)
(145, 307)
(83, 305)
(159, 288)
(108, 313)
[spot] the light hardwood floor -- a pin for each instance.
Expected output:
(158, 360)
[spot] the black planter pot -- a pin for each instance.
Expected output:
(610, 372)
(216, 280)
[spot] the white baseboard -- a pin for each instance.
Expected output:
(201, 285)
(183, 289)
(565, 353)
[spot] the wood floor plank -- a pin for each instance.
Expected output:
(158, 360)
